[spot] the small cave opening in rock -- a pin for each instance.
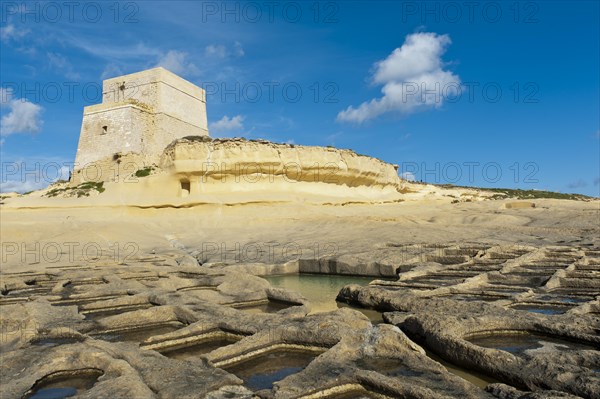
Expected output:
(185, 188)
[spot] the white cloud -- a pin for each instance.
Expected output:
(22, 117)
(220, 51)
(238, 50)
(177, 62)
(17, 186)
(10, 32)
(413, 79)
(114, 50)
(28, 179)
(408, 176)
(226, 124)
(419, 54)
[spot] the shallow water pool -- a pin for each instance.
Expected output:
(320, 289)
(261, 372)
(519, 343)
(64, 385)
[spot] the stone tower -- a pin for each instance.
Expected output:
(140, 115)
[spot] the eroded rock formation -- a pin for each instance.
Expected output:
(165, 326)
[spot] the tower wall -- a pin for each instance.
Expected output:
(141, 114)
(108, 130)
(163, 92)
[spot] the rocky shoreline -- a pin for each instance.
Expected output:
(164, 326)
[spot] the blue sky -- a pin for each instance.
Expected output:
(492, 94)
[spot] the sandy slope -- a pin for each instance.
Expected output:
(238, 231)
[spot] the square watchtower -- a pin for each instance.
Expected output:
(140, 113)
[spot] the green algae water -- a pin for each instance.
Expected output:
(320, 289)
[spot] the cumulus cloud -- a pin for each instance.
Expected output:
(413, 79)
(177, 62)
(227, 124)
(21, 115)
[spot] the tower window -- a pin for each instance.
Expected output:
(104, 130)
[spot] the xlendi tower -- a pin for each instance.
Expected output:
(140, 114)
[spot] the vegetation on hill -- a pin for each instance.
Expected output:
(525, 194)
(82, 190)
(144, 172)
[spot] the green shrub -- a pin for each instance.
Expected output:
(502, 193)
(82, 190)
(144, 172)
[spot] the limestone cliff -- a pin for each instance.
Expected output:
(259, 160)
(199, 166)
(200, 170)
